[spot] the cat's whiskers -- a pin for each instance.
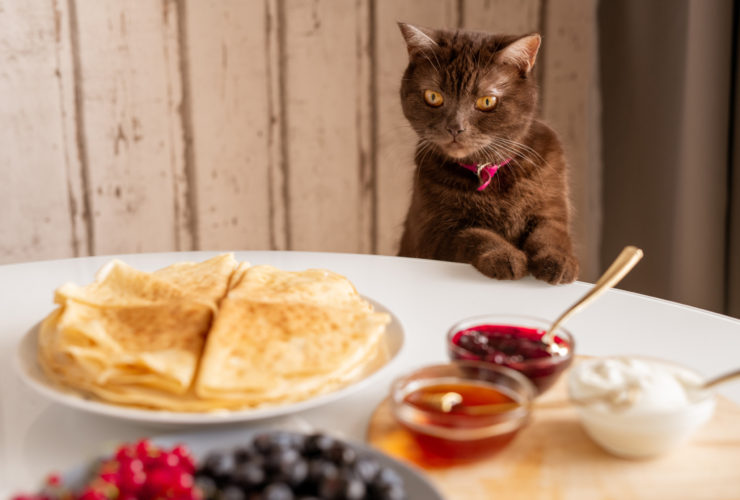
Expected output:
(541, 162)
(493, 153)
(520, 158)
(500, 153)
(519, 151)
(509, 148)
(525, 153)
(506, 145)
(424, 149)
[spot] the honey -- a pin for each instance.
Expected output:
(472, 395)
(460, 434)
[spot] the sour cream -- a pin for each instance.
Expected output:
(638, 407)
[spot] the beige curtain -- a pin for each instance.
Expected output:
(667, 69)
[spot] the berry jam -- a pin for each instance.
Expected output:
(487, 433)
(273, 465)
(516, 347)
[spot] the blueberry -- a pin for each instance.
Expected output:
(280, 459)
(249, 475)
(298, 441)
(387, 492)
(263, 442)
(318, 444)
(388, 477)
(297, 472)
(286, 440)
(232, 493)
(277, 491)
(354, 488)
(244, 453)
(395, 492)
(218, 465)
(331, 488)
(207, 485)
(366, 469)
(318, 470)
(342, 454)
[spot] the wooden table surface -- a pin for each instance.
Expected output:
(553, 458)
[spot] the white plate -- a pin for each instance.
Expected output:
(200, 443)
(28, 367)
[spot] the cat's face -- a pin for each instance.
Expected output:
(469, 95)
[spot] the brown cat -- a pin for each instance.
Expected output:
(490, 185)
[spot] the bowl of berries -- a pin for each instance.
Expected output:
(240, 464)
(514, 342)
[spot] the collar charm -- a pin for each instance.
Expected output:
(485, 171)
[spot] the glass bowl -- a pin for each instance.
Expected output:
(514, 342)
(639, 407)
(494, 405)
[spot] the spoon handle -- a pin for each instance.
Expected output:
(623, 264)
(505, 407)
(721, 379)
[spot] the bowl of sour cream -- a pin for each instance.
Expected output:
(636, 407)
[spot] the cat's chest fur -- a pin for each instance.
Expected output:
(447, 200)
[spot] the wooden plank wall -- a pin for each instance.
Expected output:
(223, 124)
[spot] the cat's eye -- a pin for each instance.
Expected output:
(486, 103)
(434, 99)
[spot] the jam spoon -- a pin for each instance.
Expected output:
(623, 264)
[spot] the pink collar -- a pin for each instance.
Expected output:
(485, 171)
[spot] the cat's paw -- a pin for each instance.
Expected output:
(502, 263)
(554, 266)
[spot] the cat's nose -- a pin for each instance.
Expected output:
(455, 130)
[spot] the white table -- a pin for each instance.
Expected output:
(37, 437)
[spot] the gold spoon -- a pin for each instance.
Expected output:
(623, 264)
(618, 399)
(623, 398)
(720, 379)
(448, 400)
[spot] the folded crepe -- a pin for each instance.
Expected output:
(312, 286)
(118, 284)
(270, 351)
(132, 327)
(288, 335)
(209, 336)
(209, 280)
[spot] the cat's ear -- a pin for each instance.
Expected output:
(417, 39)
(521, 53)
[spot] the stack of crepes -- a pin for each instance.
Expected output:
(209, 336)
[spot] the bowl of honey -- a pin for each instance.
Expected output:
(514, 342)
(462, 411)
